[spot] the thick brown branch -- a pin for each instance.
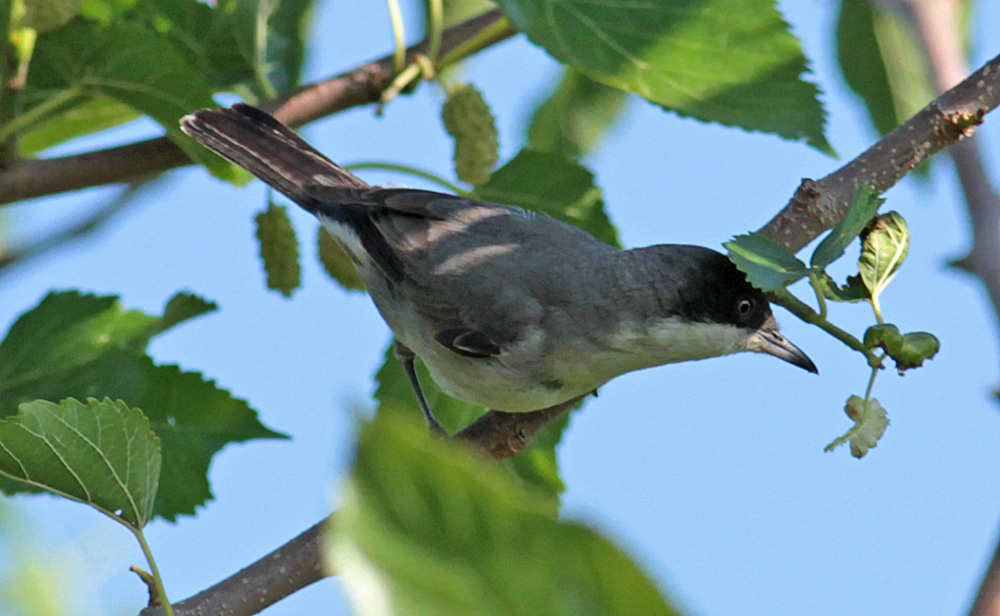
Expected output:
(360, 86)
(284, 571)
(818, 205)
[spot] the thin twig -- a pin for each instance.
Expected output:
(18, 255)
(360, 86)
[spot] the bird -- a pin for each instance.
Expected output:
(507, 308)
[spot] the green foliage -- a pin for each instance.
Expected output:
(279, 249)
(468, 119)
(427, 528)
(101, 453)
(884, 245)
(96, 114)
(552, 184)
(908, 350)
(162, 58)
(863, 208)
(45, 15)
(881, 60)
(769, 266)
(125, 61)
(729, 61)
(336, 263)
(79, 346)
(576, 116)
(870, 422)
(395, 397)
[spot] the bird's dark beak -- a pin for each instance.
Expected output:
(767, 339)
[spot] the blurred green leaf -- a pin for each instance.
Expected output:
(575, 116)
(105, 10)
(428, 528)
(536, 464)
(102, 454)
(729, 61)
(80, 346)
(768, 265)
(882, 61)
(128, 62)
(92, 115)
(335, 261)
(884, 244)
(254, 45)
(552, 184)
(456, 11)
(863, 207)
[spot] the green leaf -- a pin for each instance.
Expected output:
(457, 11)
(884, 244)
(853, 290)
(81, 346)
(881, 60)
(395, 397)
(768, 265)
(335, 261)
(92, 115)
(885, 336)
(426, 527)
(576, 116)
(551, 184)
(729, 61)
(916, 348)
(863, 207)
(105, 10)
(253, 45)
(870, 422)
(128, 62)
(102, 454)
(908, 351)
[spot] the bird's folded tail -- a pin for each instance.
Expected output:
(268, 149)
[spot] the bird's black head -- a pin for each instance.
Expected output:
(701, 285)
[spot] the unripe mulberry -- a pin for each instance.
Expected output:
(467, 118)
(279, 249)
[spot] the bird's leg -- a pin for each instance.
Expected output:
(406, 357)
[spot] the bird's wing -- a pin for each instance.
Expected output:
(453, 260)
(483, 275)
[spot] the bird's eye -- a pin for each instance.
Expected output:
(745, 306)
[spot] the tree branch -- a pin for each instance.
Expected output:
(284, 571)
(363, 85)
(818, 205)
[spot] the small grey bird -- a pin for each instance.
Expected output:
(508, 309)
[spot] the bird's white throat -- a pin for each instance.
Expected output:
(673, 339)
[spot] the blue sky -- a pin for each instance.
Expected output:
(711, 473)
